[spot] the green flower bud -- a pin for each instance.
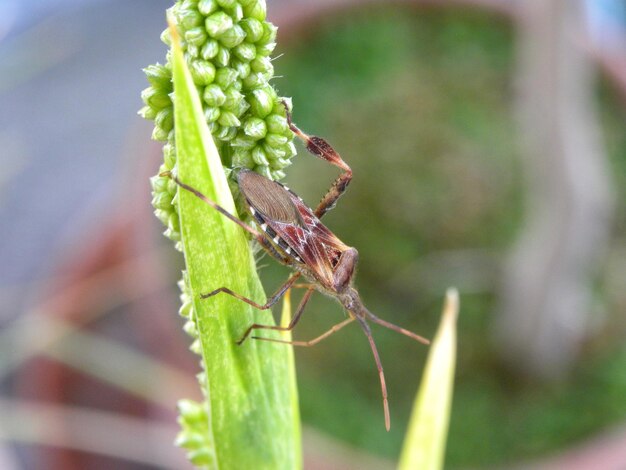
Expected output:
(159, 134)
(278, 175)
(148, 113)
(242, 107)
(159, 76)
(273, 152)
(165, 119)
(255, 127)
(169, 156)
(226, 134)
(196, 347)
(279, 106)
(155, 98)
(290, 149)
(253, 28)
(245, 51)
(189, 18)
(233, 100)
(172, 187)
(255, 9)
(263, 170)
(196, 36)
(202, 457)
(173, 222)
(276, 140)
(211, 114)
(233, 37)
(213, 127)
(206, 7)
(262, 65)
(258, 155)
(189, 4)
(228, 119)
(261, 102)
(242, 68)
(265, 49)
(225, 77)
(193, 52)
(277, 124)
(166, 38)
(173, 235)
(202, 72)
(190, 328)
(213, 95)
(269, 33)
(218, 23)
(242, 159)
(158, 184)
(244, 142)
(162, 201)
(226, 3)
(254, 80)
(191, 410)
(210, 49)
(186, 309)
(223, 57)
(236, 13)
(162, 215)
(280, 163)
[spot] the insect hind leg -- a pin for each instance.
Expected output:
(292, 324)
(214, 205)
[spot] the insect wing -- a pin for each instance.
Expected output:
(291, 225)
(269, 198)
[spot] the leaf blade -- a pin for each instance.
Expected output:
(425, 442)
(249, 395)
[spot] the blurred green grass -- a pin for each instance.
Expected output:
(420, 105)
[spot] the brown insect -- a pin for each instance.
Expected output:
(293, 234)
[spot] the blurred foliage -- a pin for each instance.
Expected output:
(420, 105)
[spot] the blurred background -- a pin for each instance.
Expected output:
(488, 143)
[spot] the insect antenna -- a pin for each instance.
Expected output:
(379, 366)
(397, 328)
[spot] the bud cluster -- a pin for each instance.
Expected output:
(227, 44)
(195, 435)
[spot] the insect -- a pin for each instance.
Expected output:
(293, 234)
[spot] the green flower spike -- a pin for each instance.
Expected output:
(227, 44)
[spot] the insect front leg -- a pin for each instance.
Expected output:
(271, 301)
(322, 149)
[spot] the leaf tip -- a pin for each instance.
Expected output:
(451, 305)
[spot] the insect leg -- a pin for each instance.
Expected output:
(393, 327)
(214, 205)
(271, 301)
(292, 323)
(322, 149)
(303, 286)
(314, 341)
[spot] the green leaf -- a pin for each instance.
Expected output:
(285, 319)
(252, 405)
(425, 443)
